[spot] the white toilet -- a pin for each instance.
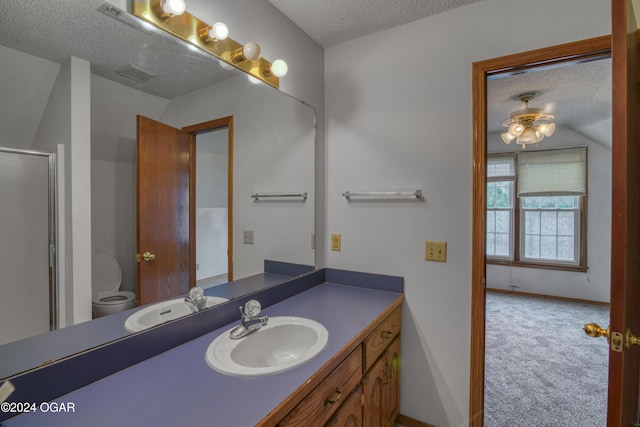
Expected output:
(106, 278)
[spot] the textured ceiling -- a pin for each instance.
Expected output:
(56, 30)
(330, 22)
(578, 94)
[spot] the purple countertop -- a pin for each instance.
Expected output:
(178, 388)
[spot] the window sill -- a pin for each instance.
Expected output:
(543, 266)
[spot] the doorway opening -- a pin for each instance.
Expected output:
(482, 71)
(211, 195)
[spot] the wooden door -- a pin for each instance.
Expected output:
(162, 211)
(624, 371)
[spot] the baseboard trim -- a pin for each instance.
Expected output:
(410, 422)
(528, 294)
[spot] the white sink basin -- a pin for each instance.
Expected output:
(283, 344)
(155, 314)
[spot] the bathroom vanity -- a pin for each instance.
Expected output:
(352, 382)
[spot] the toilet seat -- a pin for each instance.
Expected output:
(106, 278)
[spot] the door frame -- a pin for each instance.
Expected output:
(568, 52)
(194, 130)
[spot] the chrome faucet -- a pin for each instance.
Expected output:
(249, 323)
(196, 300)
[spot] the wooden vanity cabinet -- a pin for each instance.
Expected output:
(361, 391)
(350, 413)
(381, 389)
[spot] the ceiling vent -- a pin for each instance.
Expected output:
(135, 73)
(110, 10)
(119, 14)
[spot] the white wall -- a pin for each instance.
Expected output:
(593, 285)
(66, 121)
(273, 146)
(113, 173)
(113, 227)
(212, 213)
(398, 115)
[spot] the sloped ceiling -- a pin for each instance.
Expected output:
(330, 22)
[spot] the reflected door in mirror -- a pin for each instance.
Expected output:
(162, 211)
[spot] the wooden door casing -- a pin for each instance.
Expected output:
(583, 49)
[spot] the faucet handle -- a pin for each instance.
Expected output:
(252, 308)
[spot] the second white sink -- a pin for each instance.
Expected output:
(156, 314)
(283, 344)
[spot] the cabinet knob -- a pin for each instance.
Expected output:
(334, 399)
(386, 334)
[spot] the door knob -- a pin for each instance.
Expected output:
(614, 339)
(594, 330)
(631, 339)
(147, 256)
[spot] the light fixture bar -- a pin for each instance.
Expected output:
(190, 29)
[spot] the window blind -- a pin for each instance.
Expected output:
(553, 172)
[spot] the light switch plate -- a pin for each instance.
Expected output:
(247, 237)
(435, 251)
(335, 242)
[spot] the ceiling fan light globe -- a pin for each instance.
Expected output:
(507, 137)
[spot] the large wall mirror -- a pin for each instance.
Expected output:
(75, 75)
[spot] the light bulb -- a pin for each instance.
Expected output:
(516, 129)
(279, 68)
(251, 51)
(254, 80)
(219, 31)
(225, 65)
(173, 7)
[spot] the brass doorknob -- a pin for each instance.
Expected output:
(147, 256)
(631, 339)
(594, 330)
(615, 339)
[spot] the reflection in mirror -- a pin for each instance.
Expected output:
(70, 92)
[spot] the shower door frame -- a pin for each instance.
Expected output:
(52, 227)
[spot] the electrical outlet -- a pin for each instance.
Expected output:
(197, 266)
(335, 242)
(435, 251)
(247, 236)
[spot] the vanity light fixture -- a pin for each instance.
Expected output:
(529, 125)
(173, 7)
(171, 16)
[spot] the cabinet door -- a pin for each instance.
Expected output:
(391, 383)
(372, 387)
(350, 414)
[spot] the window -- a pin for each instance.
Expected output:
(500, 207)
(536, 208)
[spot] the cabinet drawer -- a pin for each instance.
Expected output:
(323, 401)
(380, 338)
